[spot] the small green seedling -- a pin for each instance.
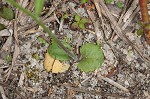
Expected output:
(7, 13)
(108, 1)
(84, 1)
(119, 4)
(36, 56)
(8, 58)
(79, 22)
(140, 31)
(92, 57)
(65, 16)
(32, 74)
(43, 41)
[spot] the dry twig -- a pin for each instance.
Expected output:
(100, 93)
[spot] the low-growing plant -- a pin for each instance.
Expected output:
(6, 13)
(91, 54)
(79, 22)
(84, 1)
(117, 3)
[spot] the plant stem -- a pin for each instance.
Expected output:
(144, 11)
(145, 19)
(43, 26)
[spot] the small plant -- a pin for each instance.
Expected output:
(32, 74)
(36, 56)
(8, 58)
(117, 3)
(6, 13)
(92, 57)
(43, 41)
(84, 1)
(108, 1)
(79, 22)
(91, 54)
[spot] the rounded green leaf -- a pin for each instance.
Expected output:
(56, 52)
(6, 13)
(84, 20)
(92, 57)
(82, 26)
(77, 18)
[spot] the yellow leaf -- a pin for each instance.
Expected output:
(57, 66)
(48, 62)
(53, 65)
(64, 68)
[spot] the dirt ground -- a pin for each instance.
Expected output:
(125, 73)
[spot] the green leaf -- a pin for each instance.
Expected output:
(139, 32)
(84, 1)
(75, 24)
(6, 13)
(38, 4)
(36, 56)
(2, 27)
(41, 40)
(82, 26)
(77, 18)
(65, 16)
(119, 5)
(8, 58)
(56, 52)
(108, 1)
(92, 57)
(84, 20)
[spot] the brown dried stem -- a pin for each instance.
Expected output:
(144, 11)
(145, 19)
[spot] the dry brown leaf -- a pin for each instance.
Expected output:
(53, 65)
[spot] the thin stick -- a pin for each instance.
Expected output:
(113, 83)
(100, 93)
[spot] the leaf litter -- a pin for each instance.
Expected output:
(132, 72)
